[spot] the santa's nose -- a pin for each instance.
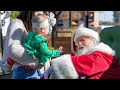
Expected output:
(80, 44)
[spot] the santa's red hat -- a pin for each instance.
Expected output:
(82, 31)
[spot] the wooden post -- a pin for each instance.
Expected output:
(86, 20)
(29, 21)
(1, 35)
(70, 19)
(53, 31)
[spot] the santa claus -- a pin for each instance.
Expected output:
(90, 59)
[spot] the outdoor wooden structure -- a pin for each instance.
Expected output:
(64, 39)
(65, 42)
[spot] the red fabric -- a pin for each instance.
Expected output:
(97, 65)
(11, 62)
(72, 54)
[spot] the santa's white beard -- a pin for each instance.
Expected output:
(83, 50)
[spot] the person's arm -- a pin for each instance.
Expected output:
(47, 52)
(90, 64)
(18, 54)
(16, 33)
(73, 67)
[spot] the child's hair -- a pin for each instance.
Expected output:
(39, 18)
(39, 21)
(38, 12)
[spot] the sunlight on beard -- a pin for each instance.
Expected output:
(81, 50)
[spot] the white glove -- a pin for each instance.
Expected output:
(49, 73)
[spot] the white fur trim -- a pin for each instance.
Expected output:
(82, 31)
(64, 68)
(103, 48)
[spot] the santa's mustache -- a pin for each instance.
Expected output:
(82, 50)
(79, 45)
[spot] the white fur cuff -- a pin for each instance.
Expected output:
(64, 68)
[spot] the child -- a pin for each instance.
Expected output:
(36, 44)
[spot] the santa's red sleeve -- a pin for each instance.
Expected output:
(91, 64)
(73, 67)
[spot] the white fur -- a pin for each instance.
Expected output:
(63, 67)
(82, 31)
(103, 48)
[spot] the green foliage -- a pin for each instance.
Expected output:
(14, 14)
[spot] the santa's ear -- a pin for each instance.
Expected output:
(72, 43)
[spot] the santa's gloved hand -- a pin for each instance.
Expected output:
(49, 73)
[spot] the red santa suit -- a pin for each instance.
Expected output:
(97, 63)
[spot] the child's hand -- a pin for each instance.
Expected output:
(61, 49)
